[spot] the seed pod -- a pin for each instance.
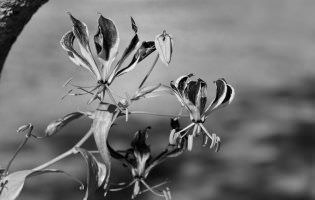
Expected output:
(164, 45)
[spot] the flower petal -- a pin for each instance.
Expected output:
(181, 83)
(67, 44)
(132, 45)
(220, 95)
(80, 31)
(152, 91)
(106, 42)
(144, 50)
(230, 93)
(201, 98)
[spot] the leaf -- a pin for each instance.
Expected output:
(97, 177)
(152, 91)
(55, 126)
(14, 182)
(164, 45)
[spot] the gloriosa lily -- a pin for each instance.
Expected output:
(193, 97)
(106, 42)
(140, 161)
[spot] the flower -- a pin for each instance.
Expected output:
(193, 97)
(140, 161)
(106, 42)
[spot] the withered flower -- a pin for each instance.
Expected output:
(106, 42)
(140, 161)
(193, 97)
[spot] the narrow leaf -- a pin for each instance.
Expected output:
(97, 177)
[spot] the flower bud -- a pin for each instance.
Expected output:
(164, 45)
(55, 126)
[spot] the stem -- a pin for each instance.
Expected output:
(15, 154)
(154, 114)
(71, 151)
(149, 72)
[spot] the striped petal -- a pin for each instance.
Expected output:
(131, 47)
(81, 33)
(106, 42)
(221, 95)
(144, 50)
(67, 44)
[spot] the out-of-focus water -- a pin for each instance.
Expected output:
(265, 49)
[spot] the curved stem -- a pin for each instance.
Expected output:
(71, 151)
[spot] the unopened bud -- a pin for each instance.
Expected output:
(164, 45)
(55, 126)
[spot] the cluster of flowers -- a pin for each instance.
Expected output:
(192, 95)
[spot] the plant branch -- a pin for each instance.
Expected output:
(71, 151)
(150, 70)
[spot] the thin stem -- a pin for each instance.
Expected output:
(154, 114)
(123, 187)
(150, 70)
(71, 151)
(151, 189)
(16, 153)
(187, 127)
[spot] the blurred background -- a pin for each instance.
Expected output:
(264, 48)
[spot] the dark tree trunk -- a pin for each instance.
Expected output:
(14, 14)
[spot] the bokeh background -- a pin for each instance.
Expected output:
(264, 48)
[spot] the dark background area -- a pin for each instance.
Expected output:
(264, 48)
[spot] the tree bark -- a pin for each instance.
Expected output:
(14, 15)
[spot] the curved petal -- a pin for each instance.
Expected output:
(220, 95)
(131, 47)
(230, 93)
(67, 44)
(80, 31)
(106, 42)
(181, 83)
(144, 50)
